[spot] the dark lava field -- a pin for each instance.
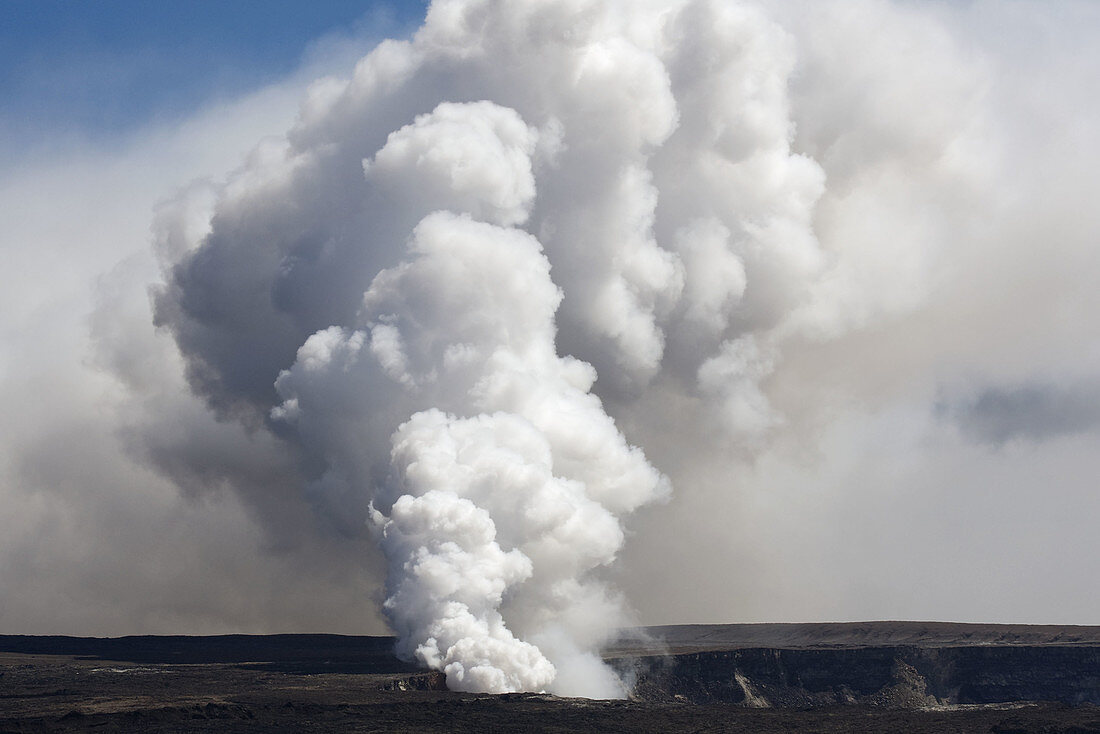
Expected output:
(864, 677)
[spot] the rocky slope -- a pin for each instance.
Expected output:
(902, 664)
(878, 676)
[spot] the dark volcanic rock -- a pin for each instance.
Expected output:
(352, 654)
(432, 680)
(879, 676)
(872, 677)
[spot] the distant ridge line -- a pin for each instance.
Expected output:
(335, 649)
(810, 635)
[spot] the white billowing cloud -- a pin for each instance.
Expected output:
(474, 158)
(450, 583)
(733, 377)
(958, 257)
(372, 268)
(721, 218)
(466, 325)
(715, 275)
(454, 571)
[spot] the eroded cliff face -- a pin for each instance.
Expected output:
(893, 676)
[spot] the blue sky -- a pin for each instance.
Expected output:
(96, 69)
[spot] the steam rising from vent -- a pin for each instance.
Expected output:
(519, 498)
(417, 288)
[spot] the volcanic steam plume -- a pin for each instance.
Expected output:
(416, 288)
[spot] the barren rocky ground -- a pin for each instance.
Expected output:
(884, 677)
